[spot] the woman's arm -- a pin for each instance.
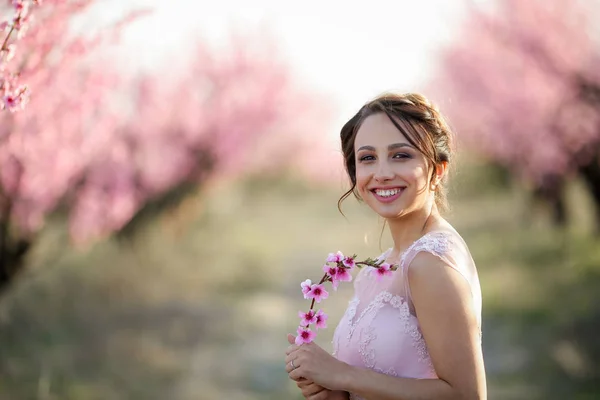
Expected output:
(444, 306)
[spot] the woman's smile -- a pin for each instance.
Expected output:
(387, 195)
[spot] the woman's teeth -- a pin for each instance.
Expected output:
(387, 193)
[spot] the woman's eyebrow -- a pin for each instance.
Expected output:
(390, 147)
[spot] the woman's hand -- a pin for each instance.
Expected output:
(312, 391)
(309, 389)
(311, 362)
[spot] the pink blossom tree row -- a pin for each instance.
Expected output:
(522, 86)
(102, 146)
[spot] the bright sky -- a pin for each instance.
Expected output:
(349, 50)
(352, 50)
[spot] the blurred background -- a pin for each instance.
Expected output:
(175, 172)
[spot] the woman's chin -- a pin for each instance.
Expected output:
(388, 211)
(392, 215)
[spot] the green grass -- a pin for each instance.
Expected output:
(197, 305)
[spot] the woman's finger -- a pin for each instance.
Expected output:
(291, 338)
(311, 389)
(294, 357)
(289, 368)
(302, 383)
(324, 395)
(291, 349)
(296, 374)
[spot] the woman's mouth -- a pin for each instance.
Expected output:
(387, 195)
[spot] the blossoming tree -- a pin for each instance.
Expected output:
(102, 147)
(40, 53)
(523, 87)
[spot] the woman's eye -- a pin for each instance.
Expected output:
(401, 155)
(366, 158)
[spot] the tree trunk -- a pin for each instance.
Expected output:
(12, 259)
(591, 176)
(550, 191)
(12, 250)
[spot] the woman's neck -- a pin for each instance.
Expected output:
(407, 229)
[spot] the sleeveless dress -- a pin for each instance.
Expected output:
(380, 330)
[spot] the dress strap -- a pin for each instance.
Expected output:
(437, 243)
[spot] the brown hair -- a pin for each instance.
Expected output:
(418, 120)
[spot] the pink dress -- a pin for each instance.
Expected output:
(379, 329)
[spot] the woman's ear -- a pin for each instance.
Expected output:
(440, 172)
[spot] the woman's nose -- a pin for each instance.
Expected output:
(384, 172)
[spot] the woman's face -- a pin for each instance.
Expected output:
(392, 176)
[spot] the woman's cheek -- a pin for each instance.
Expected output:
(359, 175)
(360, 187)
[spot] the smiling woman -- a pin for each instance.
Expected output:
(425, 134)
(417, 334)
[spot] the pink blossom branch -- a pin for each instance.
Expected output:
(3, 48)
(368, 263)
(334, 274)
(12, 101)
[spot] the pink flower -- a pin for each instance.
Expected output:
(21, 7)
(306, 287)
(11, 102)
(305, 335)
(9, 52)
(337, 275)
(308, 318)
(349, 262)
(18, 4)
(336, 258)
(21, 23)
(16, 101)
(329, 270)
(332, 272)
(343, 275)
(321, 320)
(383, 270)
(334, 283)
(317, 292)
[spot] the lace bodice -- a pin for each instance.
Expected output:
(379, 329)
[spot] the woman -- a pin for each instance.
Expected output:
(417, 334)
